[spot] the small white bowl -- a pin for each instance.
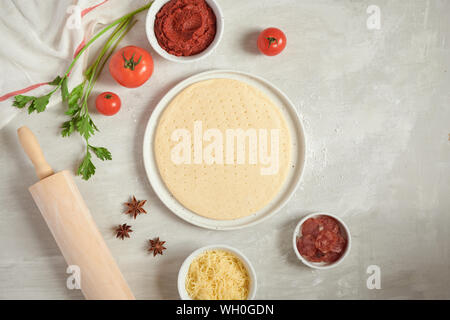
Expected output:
(322, 265)
(182, 274)
(150, 24)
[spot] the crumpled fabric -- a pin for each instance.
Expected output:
(40, 38)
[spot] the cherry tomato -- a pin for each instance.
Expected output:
(108, 103)
(131, 66)
(271, 41)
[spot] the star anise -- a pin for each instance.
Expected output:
(123, 231)
(157, 246)
(135, 207)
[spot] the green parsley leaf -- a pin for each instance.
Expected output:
(93, 125)
(75, 95)
(86, 168)
(21, 101)
(32, 106)
(68, 128)
(37, 104)
(40, 104)
(56, 81)
(101, 153)
(84, 126)
(73, 110)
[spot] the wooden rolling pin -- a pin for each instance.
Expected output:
(73, 228)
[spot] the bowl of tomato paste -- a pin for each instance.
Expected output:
(184, 30)
(321, 240)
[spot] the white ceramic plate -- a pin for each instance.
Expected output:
(297, 158)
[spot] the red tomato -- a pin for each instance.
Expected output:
(131, 66)
(271, 41)
(108, 103)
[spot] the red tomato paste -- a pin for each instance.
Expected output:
(185, 27)
(321, 240)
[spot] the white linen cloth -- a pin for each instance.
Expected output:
(39, 39)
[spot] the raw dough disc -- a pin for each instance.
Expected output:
(221, 191)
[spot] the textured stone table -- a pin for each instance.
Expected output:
(375, 105)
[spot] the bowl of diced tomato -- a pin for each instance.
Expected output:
(321, 240)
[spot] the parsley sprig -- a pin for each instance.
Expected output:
(77, 98)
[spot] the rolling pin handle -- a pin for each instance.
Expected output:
(31, 147)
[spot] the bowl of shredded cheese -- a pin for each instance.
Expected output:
(217, 272)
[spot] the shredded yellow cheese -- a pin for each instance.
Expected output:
(217, 275)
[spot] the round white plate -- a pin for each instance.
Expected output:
(297, 158)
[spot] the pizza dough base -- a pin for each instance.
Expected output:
(221, 192)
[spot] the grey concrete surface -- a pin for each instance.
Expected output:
(375, 104)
